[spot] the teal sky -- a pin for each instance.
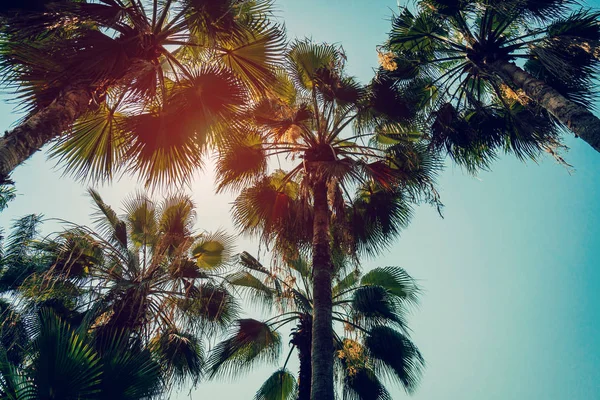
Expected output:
(511, 300)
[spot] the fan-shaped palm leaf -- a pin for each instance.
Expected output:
(252, 341)
(141, 86)
(279, 386)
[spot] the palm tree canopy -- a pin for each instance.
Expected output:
(305, 126)
(475, 111)
(159, 78)
(147, 272)
(66, 363)
(370, 308)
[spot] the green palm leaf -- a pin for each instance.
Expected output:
(257, 291)
(14, 338)
(254, 57)
(241, 161)
(208, 305)
(395, 280)
(395, 356)
(281, 385)
(213, 250)
(251, 342)
(373, 305)
(142, 222)
(94, 148)
(64, 366)
(364, 385)
(108, 221)
(128, 372)
(307, 59)
(181, 355)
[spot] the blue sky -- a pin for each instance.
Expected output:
(511, 284)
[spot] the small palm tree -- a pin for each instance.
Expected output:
(371, 309)
(65, 363)
(503, 75)
(133, 85)
(305, 122)
(147, 273)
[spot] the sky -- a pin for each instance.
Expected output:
(511, 288)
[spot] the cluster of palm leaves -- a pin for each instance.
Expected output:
(63, 362)
(131, 85)
(146, 281)
(499, 76)
(142, 293)
(371, 309)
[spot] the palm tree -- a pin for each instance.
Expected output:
(371, 309)
(306, 122)
(131, 85)
(65, 363)
(502, 74)
(147, 273)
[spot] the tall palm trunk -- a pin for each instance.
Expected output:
(302, 339)
(322, 332)
(17, 145)
(577, 118)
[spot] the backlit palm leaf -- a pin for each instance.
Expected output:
(178, 69)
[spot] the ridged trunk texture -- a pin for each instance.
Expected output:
(322, 332)
(302, 339)
(17, 145)
(577, 118)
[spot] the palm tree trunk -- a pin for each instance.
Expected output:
(17, 145)
(302, 339)
(322, 331)
(577, 118)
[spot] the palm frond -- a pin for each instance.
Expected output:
(251, 342)
(307, 59)
(213, 250)
(14, 339)
(7, 193)
(208, 306)
(128, 371)
(107, 220)
(346, 283)
(248, 261)
(141, 216)
(181, 355)
(364, 384)
(376, 217)
(241, 161)
(395, 356)
(255, 57)
(258, 291)
(94, 148)
(18, 243)
(64, 365)
(395, 280)
(281, 385)
(374, 306)
(176, 218)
